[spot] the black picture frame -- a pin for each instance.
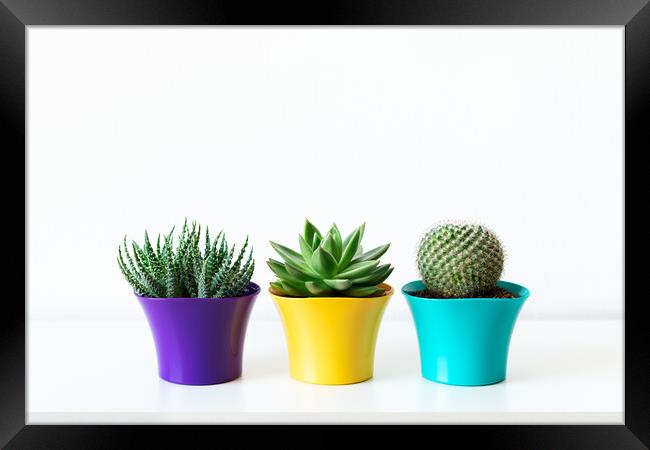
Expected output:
(16, 15)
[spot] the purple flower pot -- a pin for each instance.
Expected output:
(199, 340)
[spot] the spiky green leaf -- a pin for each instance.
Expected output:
(317, 288)
(323, 263)
(294, 289)
(363, 292)
(280, 270)
(310, 232)
(277, 287)
(358, 270)
(350, 250)
(305, 249)
(338, 285)
(361, 230)
(376, 277)
(287, 254)
(329, 245)
(299, 274)
(336, 235)
(375, 253)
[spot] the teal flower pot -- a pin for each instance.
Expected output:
(465, 341)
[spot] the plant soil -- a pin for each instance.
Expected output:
(497, 292)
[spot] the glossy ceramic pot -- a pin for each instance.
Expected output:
(199, 340)
(331, 340)
(465, 341)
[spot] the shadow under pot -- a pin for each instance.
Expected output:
(331, 340)
(199, 341)
(465, 341)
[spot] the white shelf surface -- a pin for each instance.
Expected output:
(104, 371)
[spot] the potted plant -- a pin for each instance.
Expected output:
(331, 298)
(463, 314)
(197, 303)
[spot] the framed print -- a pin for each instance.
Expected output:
(362, 213)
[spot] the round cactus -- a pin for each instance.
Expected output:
(460, 260)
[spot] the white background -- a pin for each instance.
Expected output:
(254, 129)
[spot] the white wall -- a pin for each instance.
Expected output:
(253, 129)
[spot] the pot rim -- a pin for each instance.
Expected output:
(388, 293)
(524, 294)
(255, 286)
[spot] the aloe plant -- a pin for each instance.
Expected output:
(169, 271)
(329, 265)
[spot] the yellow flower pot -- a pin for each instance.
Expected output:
(331, 340)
